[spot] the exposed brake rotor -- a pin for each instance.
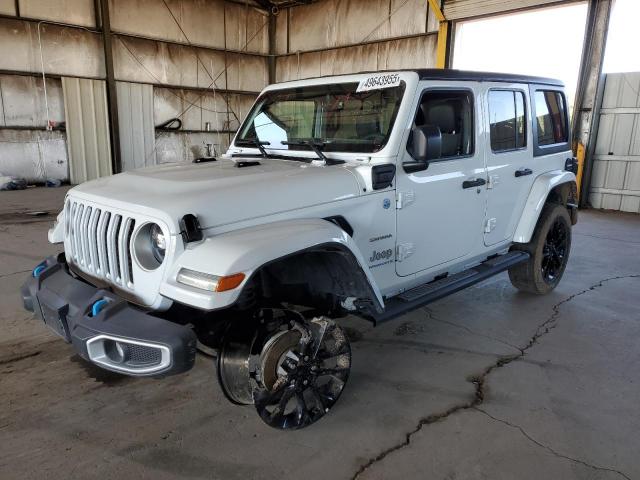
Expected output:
(233, 362)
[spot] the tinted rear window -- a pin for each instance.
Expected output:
(507, 124)
(551, 117)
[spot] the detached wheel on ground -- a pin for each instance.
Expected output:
(549, 249)
(291, 370)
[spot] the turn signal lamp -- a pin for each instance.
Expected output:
(206, 281)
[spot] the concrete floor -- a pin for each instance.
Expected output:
(488, 383)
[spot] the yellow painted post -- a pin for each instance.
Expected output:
(580, 153)
(436, 10)
(441, 56)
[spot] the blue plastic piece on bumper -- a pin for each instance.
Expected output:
(38, 270)
(99, 305)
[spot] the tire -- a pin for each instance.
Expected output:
(549, 249)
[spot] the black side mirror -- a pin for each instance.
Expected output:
(425, 143)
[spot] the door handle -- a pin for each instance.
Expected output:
(523, 172)
(477, 182)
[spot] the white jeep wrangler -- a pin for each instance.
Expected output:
(369, 194)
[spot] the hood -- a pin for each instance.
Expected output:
(219, 192)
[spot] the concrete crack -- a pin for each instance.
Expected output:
(551, 450)
(480, 380)
(469, 330)
(19, 357)
(600, 237)
(14, 273)
(551, 322)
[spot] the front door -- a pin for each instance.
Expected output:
(441, 209)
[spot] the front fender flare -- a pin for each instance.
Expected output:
(247, 250)
(56, 233)
(538, 194)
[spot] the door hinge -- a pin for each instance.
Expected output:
(405, 198)
(404, 250)
(490, 224)
(493, 181)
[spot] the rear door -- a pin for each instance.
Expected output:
(510, 166)
(528, 135)
(550, 127)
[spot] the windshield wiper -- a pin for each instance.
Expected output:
(314, 144)
(254, 142)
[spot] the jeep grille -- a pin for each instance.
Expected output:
(99, 242)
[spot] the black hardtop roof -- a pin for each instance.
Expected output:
(460, 75)
(450, 74)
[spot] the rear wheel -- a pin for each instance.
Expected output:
(292, 370)
(549, 252)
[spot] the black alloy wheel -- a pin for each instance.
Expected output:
(303, 379)
(291, 369)
(554, 252)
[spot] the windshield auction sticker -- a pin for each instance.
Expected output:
(376, 82)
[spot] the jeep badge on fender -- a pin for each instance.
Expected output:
(386, 254)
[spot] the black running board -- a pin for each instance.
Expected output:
(430, 292)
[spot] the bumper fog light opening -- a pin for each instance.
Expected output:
(115, 353)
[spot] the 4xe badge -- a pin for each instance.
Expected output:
(386, 203)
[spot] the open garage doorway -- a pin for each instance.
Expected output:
(544, 42)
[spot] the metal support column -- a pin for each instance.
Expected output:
(589, 91)
(272, 44)
(112, 98)
(444, 35)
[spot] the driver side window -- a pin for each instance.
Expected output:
(452, 113)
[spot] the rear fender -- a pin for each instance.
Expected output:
(248, 250)
(536, 201)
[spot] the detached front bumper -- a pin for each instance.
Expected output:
(103, 327)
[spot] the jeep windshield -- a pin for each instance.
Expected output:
(334, 116)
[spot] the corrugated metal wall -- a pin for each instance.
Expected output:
(85, 106)
(206, 23)
(35, 155)
(230, 45)
(22, 102)
(7, 7)
(65, 51)
(615, 182)
(76, 12)
(137, 131)
(25, 151)
(339, 36)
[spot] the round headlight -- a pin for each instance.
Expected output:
(149, 246)
(158, 243)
